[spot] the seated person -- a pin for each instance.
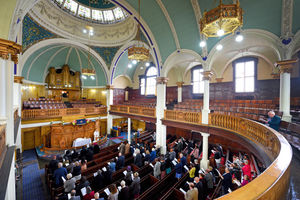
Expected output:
(58, 173)
(273, 120)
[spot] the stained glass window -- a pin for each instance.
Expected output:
(71, 5)
(84, 11)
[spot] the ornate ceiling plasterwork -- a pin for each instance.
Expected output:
(70, 27)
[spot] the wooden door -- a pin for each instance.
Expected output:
(28, 140)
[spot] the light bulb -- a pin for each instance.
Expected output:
(202, 43)
(84, 31)
(147, 64)
(134, 62)
(92, 77)
(83, 76)
(129, 65)
(219, 47)
(239, 38)
(220, 32)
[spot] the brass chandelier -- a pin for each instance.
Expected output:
(138, 52)
(222, 20)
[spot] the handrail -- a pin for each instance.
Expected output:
(52, 113)
(273, 182)
(134, 110)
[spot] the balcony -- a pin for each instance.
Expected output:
(37, 114)
(137, 112)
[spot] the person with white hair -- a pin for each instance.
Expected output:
(69, 184)
(138, 160)
(124, 192)
(273, 120)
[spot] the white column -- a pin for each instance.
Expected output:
(109, 101)
(11, 184)
(17, 104)
(9, 103)
(179, 91)
(3, 117)
(205, 110)
(286, 68)
(161, 130)
(204, 162)
(280, 93)
(129, 131)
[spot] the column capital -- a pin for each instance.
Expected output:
(109, 87)
(219, 80)
(9, 48)
(275, 75)
(161, 80)
(179, 84)
(286, 66)
(205, 134)
(18, 79)
(207, 75)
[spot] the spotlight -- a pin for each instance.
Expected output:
(219, 47)
(147, 64)
(84, 31)
(239, 38)
(220, 32)
(83, 76)
(129, 65)
(134, 62)
(92, 77)
(202, 43)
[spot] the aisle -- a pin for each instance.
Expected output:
(294, 189)
(32, 182)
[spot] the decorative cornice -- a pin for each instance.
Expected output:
(180, 84)
(9, 48)
(18, 79)
(161, 80)
(219, 80)
(207, 75)
(109, 87)
(286, 66)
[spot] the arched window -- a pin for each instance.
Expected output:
(244, 73)
(197, 80)
(148, 82)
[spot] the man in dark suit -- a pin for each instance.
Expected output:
(199, 186)
(58, 173)
(227, 181)
(120, 162)
(53, 164)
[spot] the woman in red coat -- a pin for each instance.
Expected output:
(247, 170)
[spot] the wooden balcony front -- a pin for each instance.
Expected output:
(273, 182)
(138, 112)
(35, 114)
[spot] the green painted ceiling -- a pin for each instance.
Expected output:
(296, 17)
(37, 65)
(122, 67)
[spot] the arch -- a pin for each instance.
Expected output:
(125, 76)
(295, 45)
(61, 41)
(182, 55)
(119, 54)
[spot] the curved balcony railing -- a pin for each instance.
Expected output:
(56, 113)
(273, 182)
(134, 110)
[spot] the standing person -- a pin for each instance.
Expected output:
(192, 172)
(182, 159)
(73, 195)
(245, 180)
(127, 148)
(178, 170)
(53, 164)
(128, 175)
(163, 167)
(204, 184)
(156, 171)
(135, 186)
(83, 183)
(192, 193)
(77, 171)
(199, 186)
(112, 165)
(69, 184)
(152, 155)
(120, 162)
(99, 180)
(89, 194)
(114, 193)
(83, 165)
(122, 148)
(58, 173)
(138, 158)
(124, 193)
(147, 157)
(172, 154)
(247, 169)
(209, 180)
(227, 181)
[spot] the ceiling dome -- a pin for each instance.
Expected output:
(96, 11)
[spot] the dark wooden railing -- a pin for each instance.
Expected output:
(55, 113)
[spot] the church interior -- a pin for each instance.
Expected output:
(149, 99)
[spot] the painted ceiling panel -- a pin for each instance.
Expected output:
(296, 17)
(122, 67)
(158, 24)
(185, 23)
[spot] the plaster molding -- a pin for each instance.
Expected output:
(124, 75)
(287, 19)
(65, 25)
(170, 22)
